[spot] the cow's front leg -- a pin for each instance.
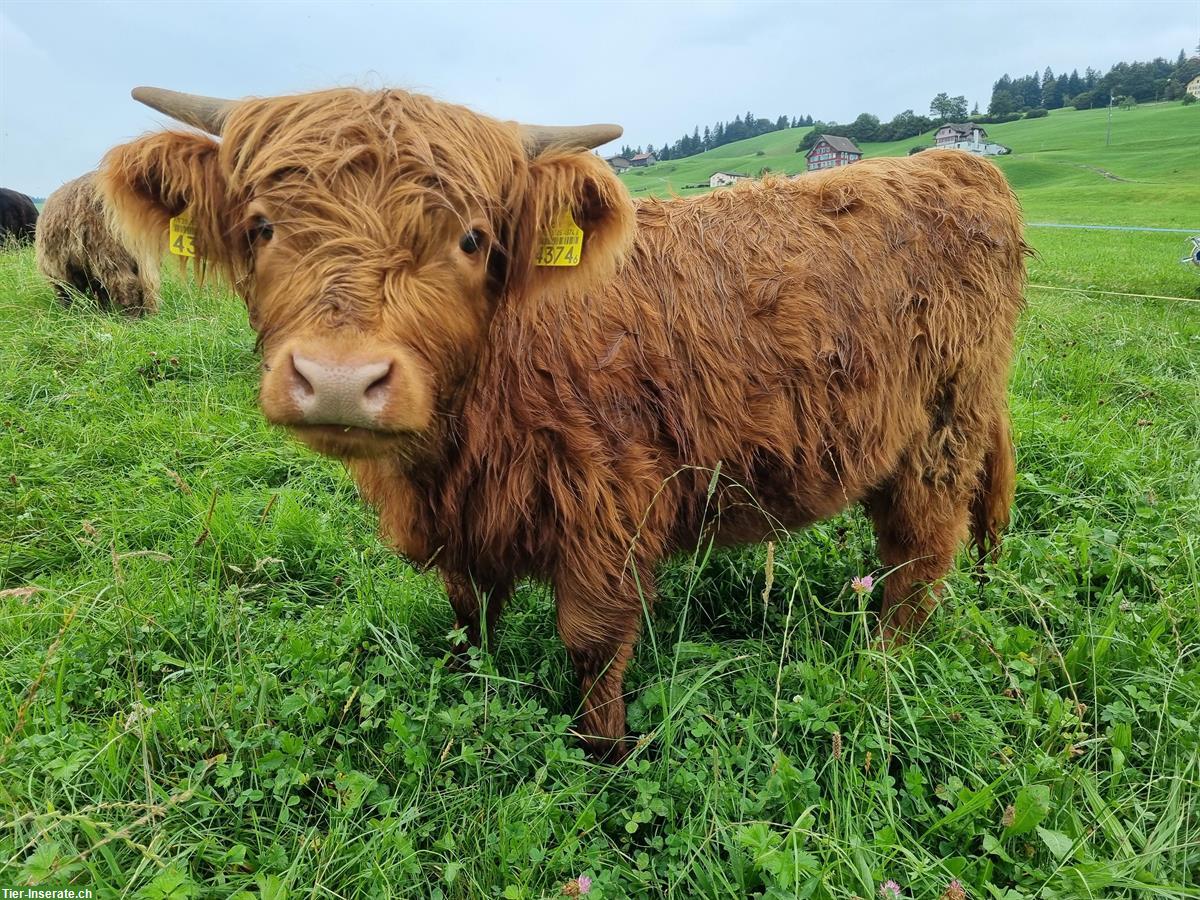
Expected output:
(599, 627)
(477, 608)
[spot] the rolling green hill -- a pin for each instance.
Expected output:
(1060, 166)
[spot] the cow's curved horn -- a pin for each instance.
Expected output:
(539, 137)
(206, 113)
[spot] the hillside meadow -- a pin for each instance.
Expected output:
(1060, 165)
(218, 683)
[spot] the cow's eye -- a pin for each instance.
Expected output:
(471, 241)
(261, 230)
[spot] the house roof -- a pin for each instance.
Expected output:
(730, 174)
(617, 160)
(964, 127)
(643, 156)
(837, 143)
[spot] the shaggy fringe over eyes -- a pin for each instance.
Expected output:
(350, 162)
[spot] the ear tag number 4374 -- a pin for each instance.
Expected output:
(562, 244)
(182, 237)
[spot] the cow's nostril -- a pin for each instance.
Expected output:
(299, 382)
(380, 386)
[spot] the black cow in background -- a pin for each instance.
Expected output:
(18, 217)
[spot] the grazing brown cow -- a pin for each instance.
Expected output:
(77, 248)
(842, 338)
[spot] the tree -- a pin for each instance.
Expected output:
(1002, 104)
(941, 107)
(905, 125)
(1031, 94)
(1084, 100)
(1189, 99)
(864, 128)
(1052, 90)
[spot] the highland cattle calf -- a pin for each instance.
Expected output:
(18, 217)
(530, 375)
(78, 248)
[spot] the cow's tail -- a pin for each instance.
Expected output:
(994, 494)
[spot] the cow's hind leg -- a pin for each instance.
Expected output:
(919, 524)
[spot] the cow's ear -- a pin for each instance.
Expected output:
(583, 185)
(155, 178)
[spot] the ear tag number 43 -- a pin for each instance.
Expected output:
(562, 245)
(182, 237)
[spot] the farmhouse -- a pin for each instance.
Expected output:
(969, 137)
(1193, 86)
(619, 164)
(720, 179)
(831, 151)
(955, 133)
(644, 159)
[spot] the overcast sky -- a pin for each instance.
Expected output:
(658, 68)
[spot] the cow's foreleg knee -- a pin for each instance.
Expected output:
(599, 630)
(476, 608)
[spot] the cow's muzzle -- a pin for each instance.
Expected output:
(345, 392)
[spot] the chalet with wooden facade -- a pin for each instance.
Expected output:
(954, 133)
(831, 151)
(967, 136)
(620, 163)
(644, 159)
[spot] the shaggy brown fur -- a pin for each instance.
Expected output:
(842, 338)
(77, 248)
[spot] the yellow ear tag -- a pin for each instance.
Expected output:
(183, 237)
(562, 245)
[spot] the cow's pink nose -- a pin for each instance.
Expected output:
(339, 392)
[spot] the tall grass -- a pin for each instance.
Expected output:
(217, 683)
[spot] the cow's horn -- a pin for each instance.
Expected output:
(538, 137)
(206, 113)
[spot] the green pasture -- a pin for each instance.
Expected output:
(216, 682)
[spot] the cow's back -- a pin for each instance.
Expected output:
(799, 334)
(77, 245)
(18, 216)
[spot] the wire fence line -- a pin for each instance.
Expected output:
(1070, 290)
(1112, 227)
